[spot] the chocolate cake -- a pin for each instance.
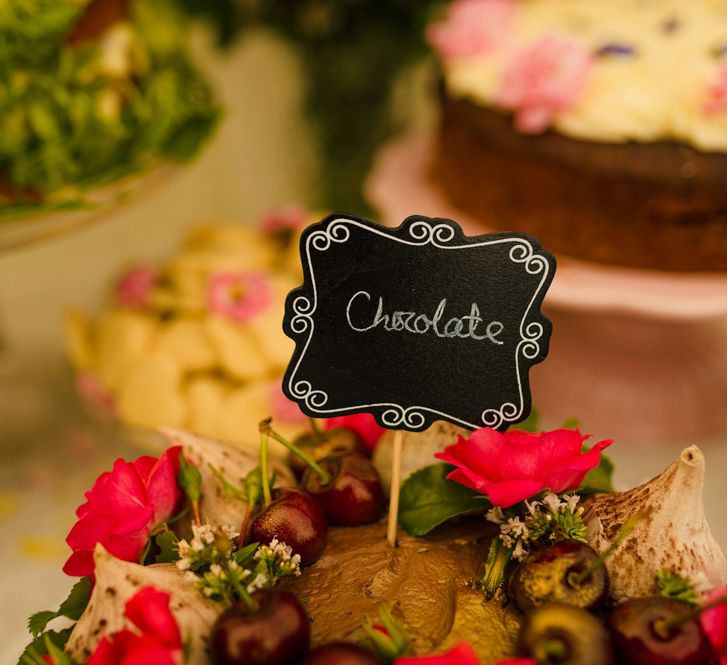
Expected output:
(598, 127)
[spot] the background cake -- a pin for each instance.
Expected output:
(599, 127)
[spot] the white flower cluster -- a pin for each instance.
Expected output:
(278, 559)
(201, 549)
(553, 518)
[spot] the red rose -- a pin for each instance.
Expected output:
(122, 509)
(513, 466)
(363, 424)
(156, 639)
(462, 654)
(714, 625)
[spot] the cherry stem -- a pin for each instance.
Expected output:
(324, 476)
(315, 429)
(576, 579)
(664, 626)
(241, 591)
(264, 468)
(550, 650)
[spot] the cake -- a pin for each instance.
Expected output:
(167, 575)
(195, 341)
(600, 127)
(92, 91)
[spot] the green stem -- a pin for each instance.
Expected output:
(264, 468)
(241, 591)
(664, 626)
(551, 650)
(315, 429)
(324, 476)
(576, 579)
(497, 560)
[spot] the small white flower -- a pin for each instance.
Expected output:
(552, 502)
(533, 506)
(207, 591)
(191, 577)
(571, 500)
(495, 515)
(183, 564)
(261, 579)
(519, 552)
(216, 569)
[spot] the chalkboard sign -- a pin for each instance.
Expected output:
(416, 323)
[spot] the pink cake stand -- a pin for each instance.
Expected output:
(635, 354)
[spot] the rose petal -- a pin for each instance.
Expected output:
(149, 611)
(714, 623)
(507, 493)
(462, 654)
(162, 490)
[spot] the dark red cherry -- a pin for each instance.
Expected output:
(322, 444)
(277, 633)
(559, 634)
(641, 637)
(296, 519)
(353, 496)
(552, 574)
(340, 653)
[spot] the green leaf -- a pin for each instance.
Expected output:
(227, 487)
(189, 479)
(244, 556)
(254, 487)
(428, 499)
(672, 585)
(72, 608)
(41, 646)
(167, 542)
(598, 480)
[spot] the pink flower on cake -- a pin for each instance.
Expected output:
(363, 424)
(462, 654)
(134, 287)
(122, 509)
(287, 218)
(716, 95)
(284, 409)
(239, 296)
(472, 28)
(155, 637)
(714, 625)
(542, 80)
(513, 466)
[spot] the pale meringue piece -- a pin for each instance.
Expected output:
(673, 535)
(117, 581)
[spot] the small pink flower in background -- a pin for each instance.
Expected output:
(90, 388)
(154, 637)
(462, 654)
(239, 296)
(122, 509)
(287, 218)
(134, 287)
(714, 625)
(284, 409)
(514, 466)
(542, 80)
(716, 96)
(363, 424)
(472, 28)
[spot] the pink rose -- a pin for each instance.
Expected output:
(363, 424)
(716, 95)
(134, 287)
(122, 509)
(542, 80)
(472, 28)
(239, 296)
(156, 639)
(287, 218)
(462, 654)
(513, 466)
(714, 625)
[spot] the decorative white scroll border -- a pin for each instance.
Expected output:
(422, 233)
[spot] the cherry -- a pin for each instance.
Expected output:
(276, 633)
(294, 518)
(565, 572)
(655, 631)
(353, 493)
(559, 634)
(340, 653)
(319, 444)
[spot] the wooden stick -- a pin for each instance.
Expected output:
(395, 487)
